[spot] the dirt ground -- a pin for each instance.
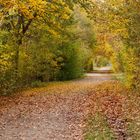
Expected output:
(55, 112)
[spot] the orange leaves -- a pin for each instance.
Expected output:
(118, 105)
(67, 104)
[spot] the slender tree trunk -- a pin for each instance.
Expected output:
(17, 58)
(17, 53)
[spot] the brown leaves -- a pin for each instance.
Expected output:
(60, 109)
(116, 104)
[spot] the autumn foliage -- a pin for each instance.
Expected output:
(36, 33)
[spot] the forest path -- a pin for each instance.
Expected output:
(55, 112)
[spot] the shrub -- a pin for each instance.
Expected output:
(73, 62)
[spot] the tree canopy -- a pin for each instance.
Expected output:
(43, 40)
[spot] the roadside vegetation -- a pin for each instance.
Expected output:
(45, 43)
(114, 113)
(60, 40)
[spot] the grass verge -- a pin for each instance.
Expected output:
(98, 129)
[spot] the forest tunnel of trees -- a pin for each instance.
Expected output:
(42, 41)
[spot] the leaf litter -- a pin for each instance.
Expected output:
(60, 111)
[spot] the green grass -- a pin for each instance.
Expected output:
(119, 76)
(133, 130)
(98, 129)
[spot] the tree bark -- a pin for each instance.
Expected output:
(18, 44)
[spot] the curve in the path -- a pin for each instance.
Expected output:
(53, 113)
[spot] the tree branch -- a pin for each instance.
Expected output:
(25, 28)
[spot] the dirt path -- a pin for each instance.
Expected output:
(56, 112)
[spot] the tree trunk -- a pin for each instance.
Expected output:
(18, 44)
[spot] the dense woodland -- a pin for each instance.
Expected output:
(53, 85)
(43, 40)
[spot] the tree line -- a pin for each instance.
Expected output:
(42, 41)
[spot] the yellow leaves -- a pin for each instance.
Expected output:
(65, 16)
(5, 58)
(58, 9)
(104, 50)
(7, 3)
(54, 12)
(31, 7)
(27, 8)
(25, 11)
(53, 32)
(131, 68)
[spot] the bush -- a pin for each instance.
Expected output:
(73, 62)
(131, 67)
